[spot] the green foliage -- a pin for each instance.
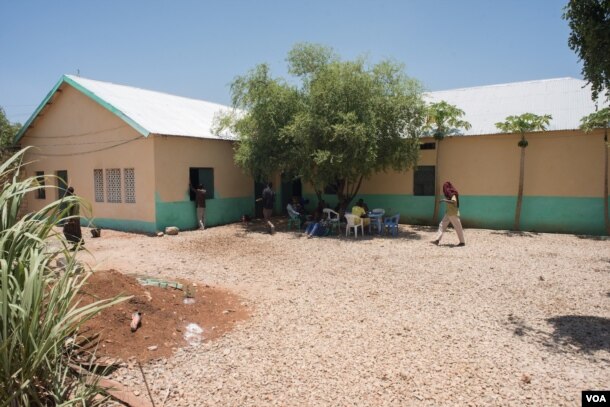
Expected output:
(597, 120)
(444, 119)
(8, 131)
(39, 314)
(344, 120)
(589, 21)
(525, 123)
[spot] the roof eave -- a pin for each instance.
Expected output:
(65, 79)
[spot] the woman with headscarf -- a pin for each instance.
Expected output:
(72, 230)
(452, 214)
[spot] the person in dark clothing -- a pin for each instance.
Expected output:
(200, 204)
(268, 199)
(72, 231)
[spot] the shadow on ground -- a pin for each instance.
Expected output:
(281, 227)
(591, 237)
(589, 333)
(513, 233)
(579, 334)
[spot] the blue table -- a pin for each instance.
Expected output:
(377, 220)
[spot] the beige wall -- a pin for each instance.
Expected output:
(562, 163)
(558, 163)
(67, 134)
(393, 182)
(175, 155)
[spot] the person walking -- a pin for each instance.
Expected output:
(71, 229)
(452, 214)
(200, 204)
(268, 202)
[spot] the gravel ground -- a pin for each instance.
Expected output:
(510, 319)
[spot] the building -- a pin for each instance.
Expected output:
(132, 153)
(564, 167)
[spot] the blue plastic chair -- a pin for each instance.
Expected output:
(391, 224)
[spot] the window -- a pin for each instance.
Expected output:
(62, 183)
(40, 192)
(423, 180)
(98, 184)
(331, 189)
(129, 178)
(204, 176)
(113, 185)
(427, 146)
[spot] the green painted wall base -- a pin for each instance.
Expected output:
(538, 213)
(219, 211)
(126, 225)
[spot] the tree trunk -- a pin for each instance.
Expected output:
(517, 225)
(437, 186)
(606, 220)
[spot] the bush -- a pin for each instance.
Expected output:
(39, 312)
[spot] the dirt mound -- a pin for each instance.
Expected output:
(168, 321)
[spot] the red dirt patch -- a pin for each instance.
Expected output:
(165, 316)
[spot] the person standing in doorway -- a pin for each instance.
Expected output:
(200, 204)
(452, 214)
(72, 231)
(268, 202)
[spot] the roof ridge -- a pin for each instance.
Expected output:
(76, 78)
(507, 84)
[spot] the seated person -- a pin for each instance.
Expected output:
(316, 229)
(293, 211)
(318, 214)
(361, 210)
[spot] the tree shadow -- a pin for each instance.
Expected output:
(572, 334)
(592, 237)
(589, 333)
(514, 233)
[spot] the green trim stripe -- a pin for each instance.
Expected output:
(112, 109)
(219, 211)
(556, 214)
(42, 104)
(120, 224)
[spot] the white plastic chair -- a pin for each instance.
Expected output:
(332, 217)
(353, 222)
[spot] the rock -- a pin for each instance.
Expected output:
(171, 230)
(160, 234)
(154, 347)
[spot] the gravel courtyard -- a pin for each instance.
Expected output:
(510, 319)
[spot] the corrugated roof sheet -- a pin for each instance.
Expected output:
(156, 112)
(566, 99)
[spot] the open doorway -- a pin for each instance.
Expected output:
(203, 176)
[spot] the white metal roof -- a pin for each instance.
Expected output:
(566, 99)
(156, 112)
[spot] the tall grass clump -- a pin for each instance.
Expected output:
(39, 311)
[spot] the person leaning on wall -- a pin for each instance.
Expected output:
(200, 196)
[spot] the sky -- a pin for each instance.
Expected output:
(196, 48)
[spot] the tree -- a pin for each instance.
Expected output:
(525, 123)
(589, 21)
(601, 120)
(8, 131)
(443, 120)
(343, 120)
